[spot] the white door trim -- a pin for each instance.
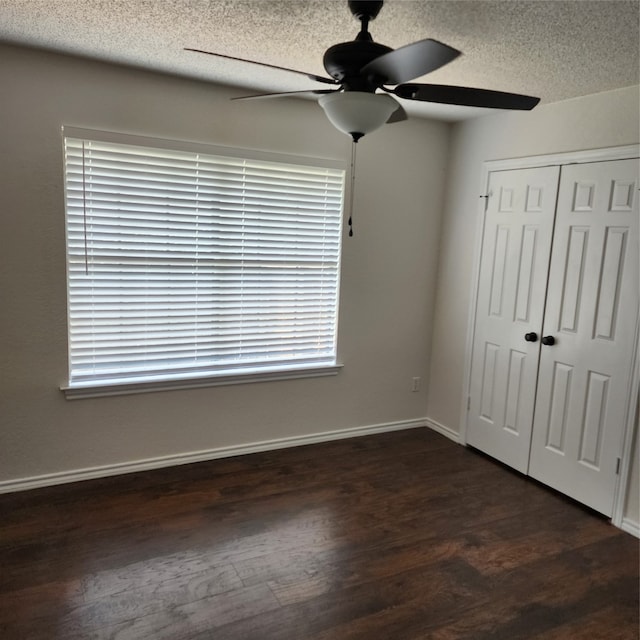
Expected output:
(622, 487)
(571, 157)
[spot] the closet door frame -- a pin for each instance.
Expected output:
(557, 159)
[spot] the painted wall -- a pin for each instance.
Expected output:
(601, 120)
(388, 273)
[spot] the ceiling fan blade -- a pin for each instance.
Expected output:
(311, 76)
(411, 61)
(465, 96)
(399, 115)
(261, 96)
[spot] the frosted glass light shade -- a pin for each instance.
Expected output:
(357, 112)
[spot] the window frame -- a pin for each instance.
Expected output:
(173, 380)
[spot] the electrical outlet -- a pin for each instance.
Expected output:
(415, 384)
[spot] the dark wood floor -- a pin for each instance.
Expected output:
(396, 536)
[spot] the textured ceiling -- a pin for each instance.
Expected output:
(555, 49)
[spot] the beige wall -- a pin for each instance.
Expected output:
(388, 272)
(602, 120)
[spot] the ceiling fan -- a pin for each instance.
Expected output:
(365, 75)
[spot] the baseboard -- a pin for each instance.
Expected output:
(64, 477)
(445, 431)
(631, 527)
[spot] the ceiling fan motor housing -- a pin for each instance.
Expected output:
(343, 62)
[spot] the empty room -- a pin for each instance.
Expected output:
(319, 319)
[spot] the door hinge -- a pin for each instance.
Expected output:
(618, 466)
(468, 403)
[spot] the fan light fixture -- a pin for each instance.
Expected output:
(357, 112)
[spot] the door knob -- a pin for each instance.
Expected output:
(531, 337)
(548, 340)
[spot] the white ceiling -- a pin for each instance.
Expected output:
(555, 49)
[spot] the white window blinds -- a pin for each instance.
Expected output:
(185, 264)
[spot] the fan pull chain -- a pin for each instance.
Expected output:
(353, 182)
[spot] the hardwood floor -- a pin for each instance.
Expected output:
(399, 536)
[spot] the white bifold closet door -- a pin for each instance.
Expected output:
(564, 423)
(584, 378)
(516, 246)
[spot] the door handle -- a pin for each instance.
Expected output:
(548, 341)
(531, 337)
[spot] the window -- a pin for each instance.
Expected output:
(191, 264)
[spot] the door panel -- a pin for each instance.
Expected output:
(591, 311)
(513, 273)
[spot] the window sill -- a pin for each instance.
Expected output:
(97, 390)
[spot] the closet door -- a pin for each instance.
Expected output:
(511, 294)
(591, 315)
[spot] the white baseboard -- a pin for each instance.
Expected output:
(22, 484)
(445, 431)
(631, 527)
